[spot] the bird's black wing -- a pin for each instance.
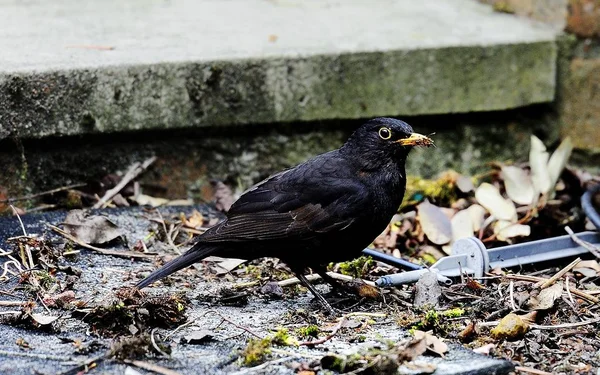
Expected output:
(320, 196)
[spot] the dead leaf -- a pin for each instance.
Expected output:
(351, 323)
(464, 184)
(434, 343)
(538, 162)
(588, 268)
(91, 229)
(505, 230)
(198, 337)
(546, 298)
(518, 184)
(477, 213)
(146, 200)
(228, 264)
(511, 327)
(468, 333)
(195, 221)
(435, 223)
(485, 349)
(559, 159)
(489, 197)
(43, 319)
(462, 226)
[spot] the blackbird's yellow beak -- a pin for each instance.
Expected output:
(416, 139)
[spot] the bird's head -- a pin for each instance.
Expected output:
(384, 140)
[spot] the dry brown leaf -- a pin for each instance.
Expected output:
(538, 162)
(462, 226)
(505, 230)
(518, 185)
(489, 197)
(435, 223)
(546, 298)
(91, 229)
(195, 221)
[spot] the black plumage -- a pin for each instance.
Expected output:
(324, 210)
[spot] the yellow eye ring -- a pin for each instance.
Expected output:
(385, 133)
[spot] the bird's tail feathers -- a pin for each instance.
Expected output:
(198, 252)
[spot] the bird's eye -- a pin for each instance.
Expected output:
(385, 133)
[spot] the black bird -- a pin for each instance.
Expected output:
(324, 210)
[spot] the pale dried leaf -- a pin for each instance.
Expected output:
(485, 349)
(434, 343)
(435, 223)
(464, 184)
(559, 159)
(477, 213)
(538, 162)
(462, 226)
(505, 230)
(489, 197)
(545, 300)
(43, 319)
(592, 264)
(146, 200)
(518, 185)
(91, 229)
(228, 264)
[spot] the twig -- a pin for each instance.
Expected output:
(132, 173)
(338, 276)
(168, 233)
(568, 288)
(566, 325)
(37, 195)
(588, 246)
(151, 367)
(46, 357)
(588, 297)
(234, 324)
(12, 303)
(512, 295)
(120, 253)
(27, 249)
(530, 370)
(85, 365)
(328, 337)
(155, 345)
(558, 275)
(261, 366)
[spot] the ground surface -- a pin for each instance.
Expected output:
(72, 341)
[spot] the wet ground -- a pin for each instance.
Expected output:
(68, 342)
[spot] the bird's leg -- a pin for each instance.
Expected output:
(336, 284)
(315, 292)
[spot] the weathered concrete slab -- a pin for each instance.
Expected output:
(72, 67)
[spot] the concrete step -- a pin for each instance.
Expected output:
(75, 67)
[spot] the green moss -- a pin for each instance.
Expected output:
(454, 313)
(283, 338)
(256, 352)
(357, 267)
(308, 331)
